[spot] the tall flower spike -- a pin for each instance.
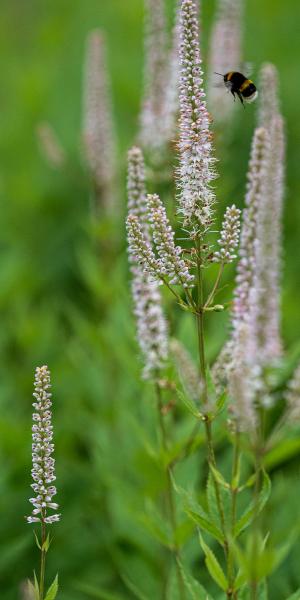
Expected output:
(256, 185)
(171, 101)
(242, 380)
(169, 256)
(229, 237)
(224, 55)
(151, 324)
(266, 291)
(187, 371)
(196, 165)
(268, 106)
(151, 134)
(98, 131)
(43, 470)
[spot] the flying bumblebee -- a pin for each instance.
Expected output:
(239, 85)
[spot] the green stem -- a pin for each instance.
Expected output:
(170, 496)
(255, 542)
(214, 289)
(234, 491)
(202, 360)
(43, 559)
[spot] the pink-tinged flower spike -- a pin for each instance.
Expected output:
(139, 249)
(268, 106)
(196, 165)
(225, 55)
(256, 186)
(171, 100)
(43, 470)
(98, 131)
(265, 294)
(242, 380)
(136, 189)
(293, 398)
(151, 135)
(171, 264)
(152, 332)
(229, 237)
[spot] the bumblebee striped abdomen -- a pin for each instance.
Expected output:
(238, 84)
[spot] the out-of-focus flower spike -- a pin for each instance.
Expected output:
(140, 250)
(225, 55)
(98, 131)
(171, 100)
(265, 294)
(50, 145)
(256, 187)
(229, 236)
(152, 331)
(43, 464)
(268, 106)
(151, 135)
(196, 164)
(242, 380)
(187, 371)
(169, 256)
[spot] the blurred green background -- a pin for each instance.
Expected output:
(65, 305)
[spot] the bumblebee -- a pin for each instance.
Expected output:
(239, 85)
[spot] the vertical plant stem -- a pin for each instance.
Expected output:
(202, 360)
(255, 541)
(234, 490)
(43, 559)
(170, 494)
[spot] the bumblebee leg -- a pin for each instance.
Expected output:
(233, 93)
(241, 99)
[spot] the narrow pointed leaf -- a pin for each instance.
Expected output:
(214, 566)
(197, 513)
(249, 513)
(52, 590)
(195, 589)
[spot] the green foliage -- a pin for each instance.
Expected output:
(65, 301)
(214, 566)
(52, 590)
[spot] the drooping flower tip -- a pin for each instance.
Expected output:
(43, 464)
(136, 187)
(139, 249)
(230, 234)
(196, 166)
(170, 263)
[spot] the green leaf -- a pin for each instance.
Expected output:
(190, 405)
(46, 543)
(221, 401)
(295, 596)
(249, 513)
(156, 525)
(282, 452)
(52, 590)
(197, 513)
(132, 587)
(219, 477)
(37, 541)
(213, 566)
(195, 589)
